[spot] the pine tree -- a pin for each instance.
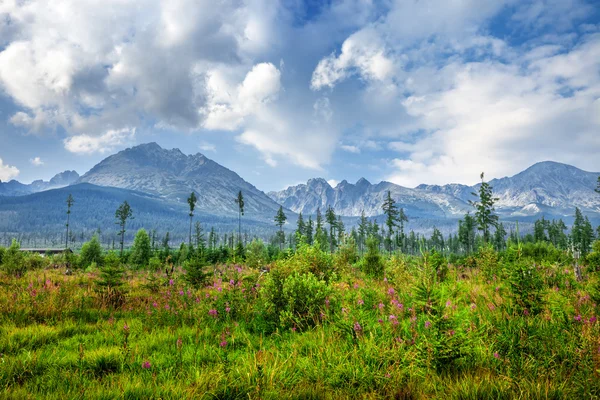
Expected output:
(341, 230)
(192, 203)
(309, 230)
(363, 229)
(331, 219)
(466, 233)
(70, 202)
(582, 233)
(320, 235)
(539, 230)
(212, 238)
(300, 229)
(500, 237)
(391, 213)
(122, 214)
(240, 202)
(484, 214)
(91, 252)
(199, 237)
(437, 240)
(141, 250)
(280, 219)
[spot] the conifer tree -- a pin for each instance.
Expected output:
(309, 230)
(70, 202)
(300, 229)
(141, 250)
(280, 219)
(392, 217)
(199, 237)
(341, 229)
(363, 229)
(320, 236)
(240, 202)
(122, 214)
(466, 233)
(500, 237)
(192, 203)
(331, 219)
(582, 233)
(484, 214)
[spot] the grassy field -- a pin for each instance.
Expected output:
(312, 327)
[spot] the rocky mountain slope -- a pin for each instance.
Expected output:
(545, 188)
(16, 188)
(173, 175)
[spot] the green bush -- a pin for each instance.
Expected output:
(197, 272)
(256, 254)
(2, 251)
(526, 285)
(593, 259)
(13, 260)
(372, 263)
(110, 285)
(296, 301)
(346, 255)
(35, 261)
(91, 252)
(308, 259)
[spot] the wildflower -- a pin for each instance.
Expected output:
(126, 328)
(385, 279)
(181, 293)
(179, 342)
(427, 324)
(171, 282)
(154, 304)
(356, 286)
(167, 307)
(496, 355)
(357, 327)
(473, 306)
(212, 312)
(220, 289)
(146, 364)
(388, 375)
(497, 288)
(380, 321)
(381, 306)
(223, 343)
(448, 303)
(578, 318)
(452, 332)
(525, 312)
(327, 303)
(491, 307)
(344, 310)
(232, 282)
(360, 302)
(238, 269)
(592, 320)
(227, 309)
(393, 319)
(391, 291)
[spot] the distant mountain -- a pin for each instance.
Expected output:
(548, 188)
(94, 208)
(173, 175)
(16, 188)
(351, 199)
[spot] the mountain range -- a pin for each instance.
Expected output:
(547, 188)
(157, 183)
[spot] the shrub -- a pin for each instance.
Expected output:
(256, 254)
(346, 255)
(91, 252)
(12, 260)
(296, 301)
(197, 273)
(308, 259)
(372, 262)
(35, 261)
(2, 251)
(526, 285)
(110, 285)
(593, 259)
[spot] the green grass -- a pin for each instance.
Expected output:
(464, 338)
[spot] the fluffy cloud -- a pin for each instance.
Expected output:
(7, 172)
(205, 146)
(228, 105)
(36, 161)
(82, 63)
(86, 144)
(350, 148)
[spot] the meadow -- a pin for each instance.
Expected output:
(510, 324)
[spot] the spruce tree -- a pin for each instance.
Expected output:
(240, 202)
(363, 228)
(141, 250)
(331, 219)
(199, 237)
(300, 229)
(280, 219)
(392, 218)
(309, 230)
(122, 214)
(484, 209)
(466, 233)
(192, 203)
(500, 237)
(70, 202)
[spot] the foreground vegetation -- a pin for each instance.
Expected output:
(488, 325)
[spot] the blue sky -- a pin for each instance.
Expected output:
(426, 91)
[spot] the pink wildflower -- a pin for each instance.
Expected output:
(146, 364)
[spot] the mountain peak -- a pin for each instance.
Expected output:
(363, 182)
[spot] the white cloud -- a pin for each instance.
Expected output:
(363, 53)
(333, 182)
(86, 144)
(36, 161)
(205, 146)
(350, 148)
(7, 172)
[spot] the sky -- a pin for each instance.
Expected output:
(280, 91)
